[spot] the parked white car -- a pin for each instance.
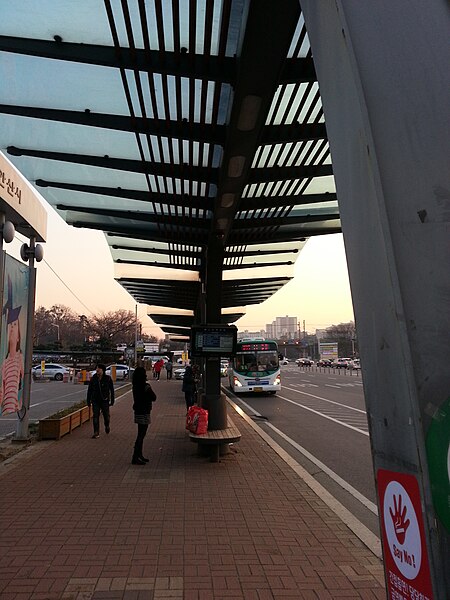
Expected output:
(51, 371)
(122, 372)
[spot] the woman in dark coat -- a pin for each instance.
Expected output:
(143, 398)
(189, 387)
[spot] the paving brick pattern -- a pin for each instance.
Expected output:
(79, 522)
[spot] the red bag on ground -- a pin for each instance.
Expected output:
(197, 420)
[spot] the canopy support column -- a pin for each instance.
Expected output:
(213, 400)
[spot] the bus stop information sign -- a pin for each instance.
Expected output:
(213, 340)
(405, 551)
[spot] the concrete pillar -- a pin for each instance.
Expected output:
(384, 75)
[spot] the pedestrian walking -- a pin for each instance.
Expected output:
(189, 387)
(169, 367)
(157, 369)
(101, 395)
(143, 398)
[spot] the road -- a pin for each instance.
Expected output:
(47, 397)
(319, 418)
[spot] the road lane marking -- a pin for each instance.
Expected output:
(333, 386)
(343, 423)
(326, 400)
(332, 474)
(365, 535)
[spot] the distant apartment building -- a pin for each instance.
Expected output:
(251, 334)
(283, 327)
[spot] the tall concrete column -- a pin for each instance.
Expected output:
(384, 75)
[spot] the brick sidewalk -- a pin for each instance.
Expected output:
(79, 522)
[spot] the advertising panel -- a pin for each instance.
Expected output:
(13, 334)
(328, 350)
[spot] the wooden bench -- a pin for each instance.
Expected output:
(217, 438)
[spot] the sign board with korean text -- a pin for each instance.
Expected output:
(19, 202)
(403, 536)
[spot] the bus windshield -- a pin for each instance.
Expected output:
(256, 362)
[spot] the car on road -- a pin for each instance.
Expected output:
(122, 371)
(340, 363)
(354, 365)
(305, 362)
(324, 362)
(51, 371)
(179, 373)
(224, 368)
(284, 361)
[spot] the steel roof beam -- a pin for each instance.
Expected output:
(240, 238)
(160, 219)
(165, 128)
(258, 202)
(266, 174)
(179, 64)
(186, 237)
(123, 164)
(184, 130)
(179, 252)
(177, 200)
(181, 267)
(261, 222)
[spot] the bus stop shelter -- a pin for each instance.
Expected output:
(210, 140)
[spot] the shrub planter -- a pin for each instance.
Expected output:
(54, 428)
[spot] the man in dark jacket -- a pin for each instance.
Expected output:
(101, 395)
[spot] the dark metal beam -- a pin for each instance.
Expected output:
(283, 173)
(183, 201)
(146, 217)
(238, 238)
(259, 202)
(165, 128)
(123, 164)
(179, 252)
(254, 265)
(181, 64)
(261, 222)
(200, 132)
(180, 267)
(187, 237)
(243, 253)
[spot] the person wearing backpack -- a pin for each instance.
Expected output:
(143, 398)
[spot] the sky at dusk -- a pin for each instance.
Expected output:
(78, 272)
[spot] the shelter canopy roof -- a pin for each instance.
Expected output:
(164, 124)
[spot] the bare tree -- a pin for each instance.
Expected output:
(113, 327)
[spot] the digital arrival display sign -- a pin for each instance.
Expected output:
(213, 340)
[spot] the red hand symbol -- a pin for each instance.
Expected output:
(399, 520)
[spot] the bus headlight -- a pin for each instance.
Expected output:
(277, 380)
(237, 383)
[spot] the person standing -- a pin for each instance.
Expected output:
(189, 387)
(143, 398)
(101, 395)
(169, 366)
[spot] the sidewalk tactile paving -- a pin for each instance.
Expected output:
(92, 526)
